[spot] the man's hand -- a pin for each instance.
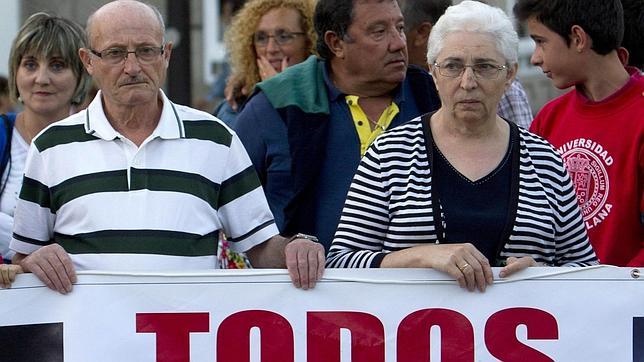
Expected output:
(305, 262)
(303, 258)
(8, 274)
(53, 266)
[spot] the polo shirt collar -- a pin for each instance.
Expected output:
(96, 123)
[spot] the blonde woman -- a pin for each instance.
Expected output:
(48, 78)
(264, 38)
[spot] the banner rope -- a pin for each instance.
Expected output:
(280, 272)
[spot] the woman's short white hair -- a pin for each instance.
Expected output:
(475, 17)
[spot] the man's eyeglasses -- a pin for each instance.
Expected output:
(144, 54)
(282, 37)
(481, 70)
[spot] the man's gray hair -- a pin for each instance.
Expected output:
(476, 17)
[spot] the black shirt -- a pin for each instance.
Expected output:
(474, 212)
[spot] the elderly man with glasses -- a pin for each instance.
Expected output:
(137, 182)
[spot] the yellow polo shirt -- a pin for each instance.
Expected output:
(362, 123)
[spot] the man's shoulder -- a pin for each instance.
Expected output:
(410, 131)
(540, 154)
(67, 130)
(204, 126)
(534, 142)
(186, 113)
(516, 89)
(258, 109)
(257, 102)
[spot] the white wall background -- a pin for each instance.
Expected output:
(8, 29)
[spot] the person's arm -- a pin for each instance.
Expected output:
(248, 222)
(572, 246)
(303, 258)
(360, 236)
(33, 229)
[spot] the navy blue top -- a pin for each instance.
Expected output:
(6, 130)
(264, 135)
(474, 211)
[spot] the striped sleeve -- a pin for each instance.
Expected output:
(548, 226)
(359, 239)
(573, 246)
(243, 208)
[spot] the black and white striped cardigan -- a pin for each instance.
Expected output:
(390, 205)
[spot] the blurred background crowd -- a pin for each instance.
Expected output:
(199, 66)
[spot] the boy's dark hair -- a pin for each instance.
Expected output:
(602, 20)
(331, 15)
(634, 31)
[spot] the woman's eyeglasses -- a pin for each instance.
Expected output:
(481, 70)
(281, 37)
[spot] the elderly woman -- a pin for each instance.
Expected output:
(265, 37)
(47, 76)
(461, 190)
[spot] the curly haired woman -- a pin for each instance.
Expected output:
(264, 38)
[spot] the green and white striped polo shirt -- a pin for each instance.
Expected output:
(115, 206)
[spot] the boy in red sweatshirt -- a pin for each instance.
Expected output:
(598, 127)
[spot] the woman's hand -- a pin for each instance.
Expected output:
(463, 262)
(514, 265)
(8, 274)
(234, 90)
(266, 70)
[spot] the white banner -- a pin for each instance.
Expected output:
(541, 314)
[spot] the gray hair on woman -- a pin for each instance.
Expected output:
(475, 17)
(48, 35)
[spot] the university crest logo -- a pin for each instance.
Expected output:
(586, 162)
